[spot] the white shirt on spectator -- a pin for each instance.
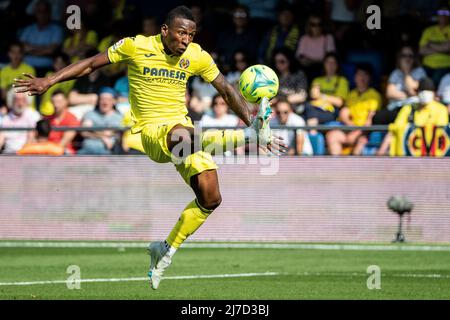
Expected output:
(15, 140)
(288, 136)
(228, 120)
(444, 89)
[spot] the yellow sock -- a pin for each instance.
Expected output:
(190, 220)
(218, 141)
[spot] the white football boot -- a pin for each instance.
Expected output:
(159, 261)
(260, 127)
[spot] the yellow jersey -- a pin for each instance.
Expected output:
(157, 79)
(361, 104)
(431, 115)
(334, 86)
(8, 74)
(436, 34)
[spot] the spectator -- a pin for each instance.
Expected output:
(242, 37)
(328, 94)
(444, 91)
(62, 118)
(41, 39)
(296, 140)
(425, 113)
(150, 26)
(195, 106)
(343, 19)
(283, 35)
(20, 115)
(203, 36)
(240, 64)
(14, 69)
(435, 47)
(80, 42)
(402, 84)
(220, 116)
(293, 84)
(42, 145)
(60, 61)
(362, 103)
(404, 80)
(105, 115)
(83, 96)
(313, 46)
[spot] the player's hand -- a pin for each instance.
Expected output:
(32, 85)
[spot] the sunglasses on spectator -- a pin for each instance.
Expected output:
(240, 15)
(283, 112)
(315, 24)
(407, 55)
(283, 61)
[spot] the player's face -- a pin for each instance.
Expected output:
(178, 35)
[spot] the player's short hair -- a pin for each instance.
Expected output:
(179, 12)
(43, 128)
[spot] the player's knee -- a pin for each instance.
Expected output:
(212, 202)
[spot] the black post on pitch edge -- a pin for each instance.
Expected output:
(400, 205)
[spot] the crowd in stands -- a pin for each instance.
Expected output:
(332, 69)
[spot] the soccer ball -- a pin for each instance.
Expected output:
(258, 81)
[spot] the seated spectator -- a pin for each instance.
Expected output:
(444, 91)
(313, 46)
(297, 141)
(426, 112)
(194, 105)
(20, 115)
(220, 115)
(62, 118)
(105, 115)
(80, 42)
(42, 145)
(293, 83)
(241, 37)
(61, 61)
(41, 39)
(435, 47)
(285, 34)
(361, 105)
(83, 96)
(150, 26)
(328, 94)
(240, 64)
(402, 84)
(14, 69)
(404, 80)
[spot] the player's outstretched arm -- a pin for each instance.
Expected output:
(38, 86)
(232, 98)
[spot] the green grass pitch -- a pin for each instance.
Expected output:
(295, 274)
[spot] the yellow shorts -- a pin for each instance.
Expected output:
(154, 141)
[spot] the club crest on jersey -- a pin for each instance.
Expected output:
(118, 44)
(184, 63)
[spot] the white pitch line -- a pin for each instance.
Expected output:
(207, 276)
(303, 246)
(221, 276)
